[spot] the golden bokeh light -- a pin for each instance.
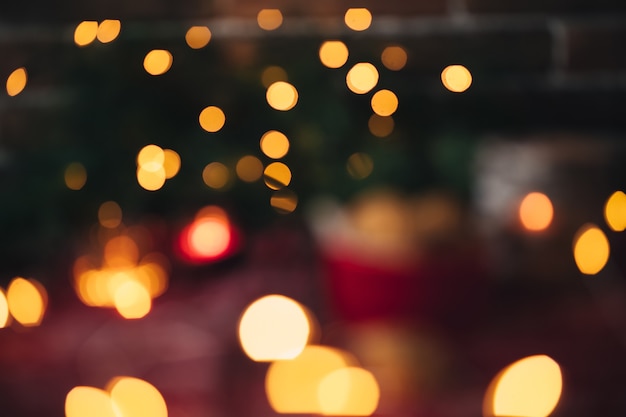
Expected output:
(110, 214)
(282, 96)
(284, 201)
(292, 386)
(380, 126)
(158, 61)
(133, 397)
(333, 54)
(269, 19)
(536, 211)
(277, 175)
(362, 78)
(360, 165)
(151, 180)
(249, 168)
(152, 274)
(456, 78)
(384, 103)
(349, 391)
(274, 327)
(358, 19)
(108, 30)
(394, 58)
(75, 176)
(85, 32)
(4, 310)
(530, 387)
(132, 300)
(198, 37)
(209, 236)
(151, 158)
(171, 163)
(591, 249)
(88, 401)
(274, 144)
(212, 119)
(615, 211)
(120, 252)
(27, 300)
(216, 175)
(16, 82)
(272, 74)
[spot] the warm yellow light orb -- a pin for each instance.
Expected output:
(133, 397)
(249, 168)
(358, 19)
(615, 211)
(108, 30)
(362, 78)
(27, 301)
(198, 37)
(591, 249)
(4, 310)
(212, 119)
(132, 300)
(333, 54)
(216, 175)
(85, 32)
(274, 144)
(171, 163)
(284, 201)
(16, 82)
(536, 211)
(269, 19)
(350, 391)
(282, 96)
(151, 180)
(456, 78)
(384, 103)
(394, 58)
(157, 61)
(88, 401)
(277, 175)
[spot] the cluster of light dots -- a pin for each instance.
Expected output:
(303, 377)
(16, 82)
(75, 176)
(209, 237)
(25, 301)
(529, 387)
(89, 30)
(155, 165)
(123, 397)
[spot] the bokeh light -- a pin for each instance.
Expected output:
(380, 126)
(360, 165)
(384, 103)
(269, 19)
(88, 401)
(274, 327)
(16, 82)
(277, 175)
(456, 78)
(394, 58)
(274, 144)
(27, 300)
(282, 96)
(358, 19)
(158, 61)
(209, 237)
(120, 252)
(108, 30)
(133, 397)
(151, 158)
(216, 175)
(4, 310)
(284, 201)
(530, 387)
(85, 32)
(151, 180)
(75, 176)
(536, 211)
(272, 74)
(591, 249)
(615, 211)
(249, 168)
(132, 300)
(362, 78)
(350, 391)
(171, 163)
(333, 54)
(110, 214)
(198, 37)
(212, 119)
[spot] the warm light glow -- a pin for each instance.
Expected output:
(27, 301)
(274, 144)
(133, 397)
(348, 391)
(110, 214)
(88, 401)
(216, 175)
(358, 19)
(282, 96)
(591, 249)
(120, 252)
(108, 30)
(198, 37)
(132, 300)
(362, 77)
(212, 119)
(157, 61)
(273, 74)
(333, 54)
(284, 201)
(536, 211)
(273, 327)
(151, 180)
(151, 158)
(85, 32)
(360, 165)
(394, 58)
(380, 126)
(16, 81)
(615, 211)
(292, 385)
(75, 176)
(456, 78)
(171, 163)
(277, 175)
(209, 237)
(4, 310)
(269, 19)
(530, 387)
(249, 168)
(384, 103)
(152, 274)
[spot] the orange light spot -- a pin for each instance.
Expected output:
(536, 211)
